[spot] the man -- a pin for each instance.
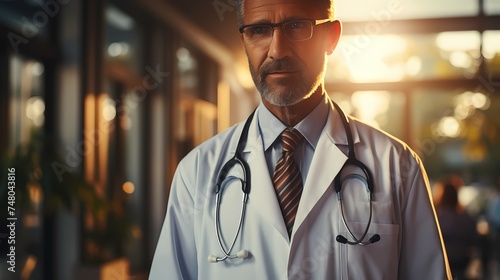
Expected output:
(292, 224)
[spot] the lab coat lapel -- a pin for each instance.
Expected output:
(262, 194)
(326, 163)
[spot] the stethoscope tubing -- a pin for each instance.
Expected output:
(218, 197)
(356, 240)
(352, 160)
(237, 159)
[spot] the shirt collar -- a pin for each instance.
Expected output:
(310, 127)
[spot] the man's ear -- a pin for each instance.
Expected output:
(241, 38)
(334, 32)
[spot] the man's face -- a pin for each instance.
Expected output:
(287, 72)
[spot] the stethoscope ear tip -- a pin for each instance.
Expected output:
(212, 259)
(374, 238)
(341, 239)
(243, 254)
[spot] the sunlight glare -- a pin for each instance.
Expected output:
(413, 65)
(449, 127)
(458, 41)
(369, 59)
(109, 109)
(491, 47)
(460, 59)
(370, 104)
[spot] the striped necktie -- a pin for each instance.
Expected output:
(287, 180)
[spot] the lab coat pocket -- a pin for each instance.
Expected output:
(374, 261)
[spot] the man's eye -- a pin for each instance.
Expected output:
(257, 30)
(297, 25)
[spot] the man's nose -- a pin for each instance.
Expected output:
(280, 46)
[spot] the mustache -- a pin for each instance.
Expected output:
(284, 64)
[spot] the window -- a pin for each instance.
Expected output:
(456, 130)
(492, 7)
(359, 10)
(434, 87)
(123, 39)
(392, 58)
(381, 109)
(491, 52)
(27, 103)
(28, 18)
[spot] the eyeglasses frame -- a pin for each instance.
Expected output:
(314, 23)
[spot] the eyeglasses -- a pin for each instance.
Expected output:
(294, 31)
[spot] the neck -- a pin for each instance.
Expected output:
(293, 114)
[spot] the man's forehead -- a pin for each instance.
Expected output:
(278, 1)
(278, 10)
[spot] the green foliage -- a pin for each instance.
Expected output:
(34, 169)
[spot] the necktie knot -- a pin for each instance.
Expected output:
(291, 138)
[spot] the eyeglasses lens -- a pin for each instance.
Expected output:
(293, 31)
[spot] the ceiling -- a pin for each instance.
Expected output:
(215, 17)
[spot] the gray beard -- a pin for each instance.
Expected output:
(283, 97)
(291, 92)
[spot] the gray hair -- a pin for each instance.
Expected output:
(327, 5)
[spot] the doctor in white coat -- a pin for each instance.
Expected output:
(287, 44)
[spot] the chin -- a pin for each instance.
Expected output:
(283, 103)
(287, 96)
(283, 99)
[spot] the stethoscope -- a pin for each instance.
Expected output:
(237, 159)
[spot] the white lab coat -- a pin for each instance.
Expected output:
(410, 247)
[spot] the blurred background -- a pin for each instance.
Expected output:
(99, 100)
